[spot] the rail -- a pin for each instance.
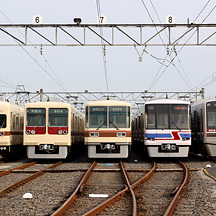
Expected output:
(113, 199)
(174, 201)
(23, 181)
(68, 202)
(20, 167)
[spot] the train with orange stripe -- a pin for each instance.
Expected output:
(51, 129)
(163, 127)
(108, 128)
(11, 128)
(204, 127)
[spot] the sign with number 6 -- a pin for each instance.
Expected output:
(37, 19)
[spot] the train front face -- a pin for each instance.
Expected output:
(5, 129)
(47, 132)
(108, 129)
(167, 129)
(209, 122)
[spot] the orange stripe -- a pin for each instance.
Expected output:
(107, 133)
(8, 133)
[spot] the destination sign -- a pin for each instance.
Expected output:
(58, 111)
(36, 111)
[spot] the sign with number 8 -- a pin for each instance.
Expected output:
(170, 19)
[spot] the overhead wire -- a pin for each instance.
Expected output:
(103, 45)
(186, 81)
(195, 31)
(201, 10)
(171, 62)
(190, 36)
(58, 82)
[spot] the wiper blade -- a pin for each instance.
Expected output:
(101, 125)
(114, 125)
(176, 126)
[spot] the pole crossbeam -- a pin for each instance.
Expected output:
(78, 99)
(115, 35)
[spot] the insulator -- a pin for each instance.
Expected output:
(41, 50)
(140, 59)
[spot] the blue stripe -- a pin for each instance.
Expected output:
(185, 135)
(158, 135)
(182, 135)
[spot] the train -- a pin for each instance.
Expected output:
(204, 127)
(51, 129)
(11, 128)
(163, 127)
(108, 128)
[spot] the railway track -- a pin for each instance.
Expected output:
(133, 194)
(109, 182)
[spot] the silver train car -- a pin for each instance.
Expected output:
(204, 127)
(51, 128)
(11, 128)
(163, 127)
(108, 129)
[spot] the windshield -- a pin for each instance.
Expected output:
(98, 117)
(36, 117)
(2, 121)
(166, 116)
(180, 117)
(58, 117)
(118, 117)
(211, 115)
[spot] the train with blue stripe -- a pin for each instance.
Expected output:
(163, 127)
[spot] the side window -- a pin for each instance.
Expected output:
(21, 123)
(17, 122)
(14, 122)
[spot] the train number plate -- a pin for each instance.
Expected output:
(168, 147)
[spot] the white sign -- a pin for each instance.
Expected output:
(102, 19)
(170, 19)
(98, 195)
(37, 19)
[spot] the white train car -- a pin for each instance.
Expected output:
(108, 129)
(204, 127)
(11, 128)
(51, 128)
(163, 126)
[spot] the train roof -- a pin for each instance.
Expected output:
(108, 103)
(167, 101)
(203, 101)
(10, 104)
(48, 104)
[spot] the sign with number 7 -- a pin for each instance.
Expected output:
(102, 19)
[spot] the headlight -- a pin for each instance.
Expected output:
(64, 132)
(60, 132)
(2, 133)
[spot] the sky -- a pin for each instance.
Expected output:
(81, 68)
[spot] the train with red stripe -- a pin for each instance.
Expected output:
(204, 127)
(51, 129)
(11, 128)
(108, 128)
(163, 128)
